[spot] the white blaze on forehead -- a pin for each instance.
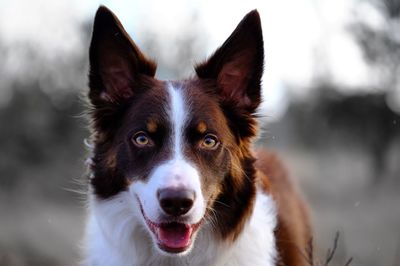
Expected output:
(177, 172)
(178, 115)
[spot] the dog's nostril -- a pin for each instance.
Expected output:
(176, 201)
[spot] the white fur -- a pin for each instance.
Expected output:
(178, 116)
(116, 237)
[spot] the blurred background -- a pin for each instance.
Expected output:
(331, 110)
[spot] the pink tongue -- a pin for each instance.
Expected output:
(174, 235)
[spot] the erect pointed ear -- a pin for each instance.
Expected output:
(237, 66)
(116, 63)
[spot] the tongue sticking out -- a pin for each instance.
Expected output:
(174, 235)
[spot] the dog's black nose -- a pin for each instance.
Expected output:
(176, 201)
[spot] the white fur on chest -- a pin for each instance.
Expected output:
(115, 236)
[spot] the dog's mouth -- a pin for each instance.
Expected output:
(172, 236)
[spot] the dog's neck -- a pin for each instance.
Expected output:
(115, 237)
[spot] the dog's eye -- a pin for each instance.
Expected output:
(210, 142)
(141, 139)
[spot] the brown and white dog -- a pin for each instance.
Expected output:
(174, 179)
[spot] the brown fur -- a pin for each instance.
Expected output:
(293, 230)
(202, 127)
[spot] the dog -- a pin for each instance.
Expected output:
(174, 179)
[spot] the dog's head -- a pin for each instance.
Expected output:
(179, 148)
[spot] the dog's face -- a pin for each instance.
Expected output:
(180, 148)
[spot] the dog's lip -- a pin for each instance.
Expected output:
(161, 229)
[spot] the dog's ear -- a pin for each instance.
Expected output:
(116, 63)
(237, 66)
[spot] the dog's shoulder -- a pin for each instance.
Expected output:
(293, 226)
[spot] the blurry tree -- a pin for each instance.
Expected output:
(331, 120)
(381, 46)
(366, 119)
(41, 125)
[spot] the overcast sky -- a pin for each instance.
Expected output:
(295, 32)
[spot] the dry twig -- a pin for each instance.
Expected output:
(309, 256)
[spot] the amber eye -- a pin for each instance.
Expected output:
(141, 139)
(210, 142)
